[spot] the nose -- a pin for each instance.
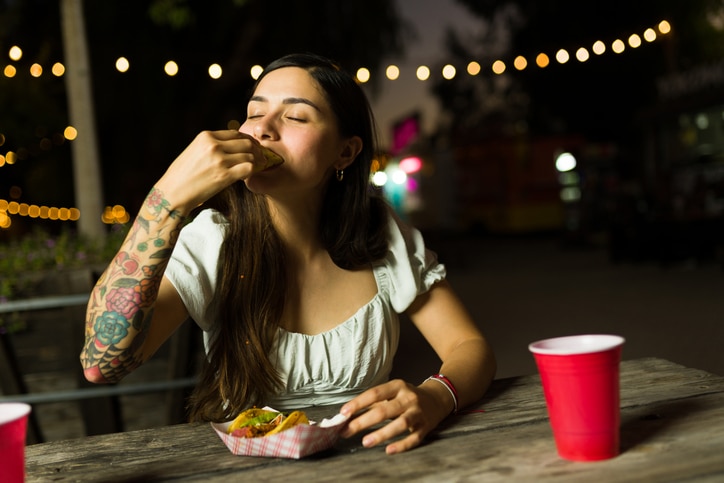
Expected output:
(264, 129)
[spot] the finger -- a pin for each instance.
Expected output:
(242, 170)
(363, 420)
(240, 145)
(383, 392)
(412, 441)
(227, 134)
(400, 426)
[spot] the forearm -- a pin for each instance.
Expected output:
(122, 302)
(470, 367)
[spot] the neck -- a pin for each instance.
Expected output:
(298, 227)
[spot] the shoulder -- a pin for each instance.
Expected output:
(403, 239)
(208, 225)
(410, 267)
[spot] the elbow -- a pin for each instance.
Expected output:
(94, 375)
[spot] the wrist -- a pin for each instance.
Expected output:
(158, 206)
(449, 389)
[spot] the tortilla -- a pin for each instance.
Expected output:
(270, 159)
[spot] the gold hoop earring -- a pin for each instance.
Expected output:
(340, 174)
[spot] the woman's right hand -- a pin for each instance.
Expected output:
(213, 161)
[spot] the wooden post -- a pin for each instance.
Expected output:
(86, 166)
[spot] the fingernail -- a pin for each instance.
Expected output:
(368, 441)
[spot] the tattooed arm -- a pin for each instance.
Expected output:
(122, 303)
(133, 309)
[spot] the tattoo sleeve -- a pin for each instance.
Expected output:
(122, 302)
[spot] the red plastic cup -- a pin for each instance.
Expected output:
(580, 378)
(13, 425)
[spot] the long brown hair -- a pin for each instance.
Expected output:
(252, 280)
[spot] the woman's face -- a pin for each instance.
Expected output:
(289, 114)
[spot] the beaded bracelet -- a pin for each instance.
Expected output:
(448, 385)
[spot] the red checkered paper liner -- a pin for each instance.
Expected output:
(296, 442)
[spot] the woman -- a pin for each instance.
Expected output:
(296, 273)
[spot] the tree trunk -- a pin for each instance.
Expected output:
(86, 165)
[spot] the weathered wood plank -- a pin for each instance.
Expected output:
(672, 429)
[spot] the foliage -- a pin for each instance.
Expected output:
(600, 98)
(26, 261)
(23, 261)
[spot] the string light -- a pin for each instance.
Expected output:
(474, 68)
(423, 73)
(448, 71)
(256, 71)
(392, 72)
(599, 48)
(15, 53)
(171, 68)
(582, 54)
(122, 64)
(363, 75)
(542, 60)
(215, 71)
(520, 63)
(118, 214)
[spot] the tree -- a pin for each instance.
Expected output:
(144, 117)
(86, 165)
(599, 98)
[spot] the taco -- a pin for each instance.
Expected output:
(270, 159)
(255, 422)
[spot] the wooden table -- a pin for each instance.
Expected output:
(672, 430)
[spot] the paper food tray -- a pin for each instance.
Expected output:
(296, 442)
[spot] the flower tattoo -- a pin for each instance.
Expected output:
(124, 301)
(111, 328)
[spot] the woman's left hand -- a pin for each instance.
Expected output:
(415, 410)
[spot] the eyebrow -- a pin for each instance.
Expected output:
(288, 100)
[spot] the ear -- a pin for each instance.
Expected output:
(350, 149)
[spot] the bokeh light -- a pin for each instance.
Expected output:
(363, 75)
(70, 133)
(542, 60)
(520, 62)
(618, 46)
(422, 72)
(582, 54)
(256, 71)
(15, 53)
(215, 71)
(122, 64)
(58, 69)
(171, 68)
(562, 56)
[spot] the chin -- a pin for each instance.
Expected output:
(258, 184)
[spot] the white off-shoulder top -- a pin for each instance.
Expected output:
(333, 366)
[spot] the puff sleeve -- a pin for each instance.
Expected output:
(411, 268)
(193, 264)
